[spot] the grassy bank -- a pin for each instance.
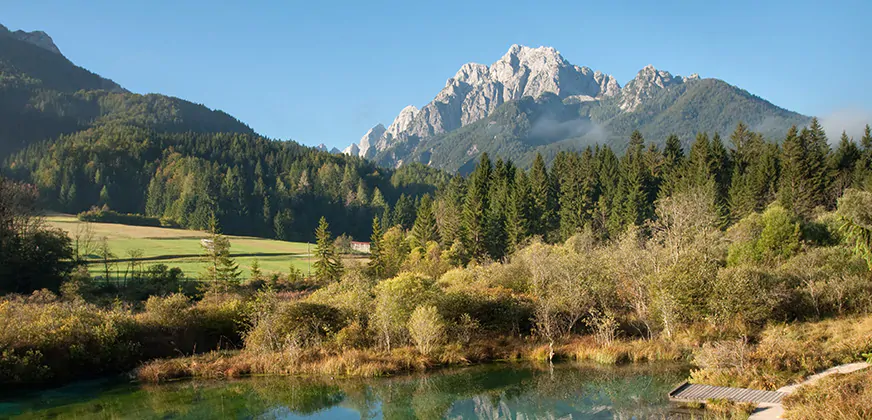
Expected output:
(375, 362)
(838, 397)
(780, 356)
(783, 354)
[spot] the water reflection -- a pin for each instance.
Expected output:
(501, 391)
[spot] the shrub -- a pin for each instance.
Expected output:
(747, 295)
(294, 326)
(44, 340)
(426, 328)
(353, 295)
(395, 299)
(105, 215)
(169, 311)
(352, 336)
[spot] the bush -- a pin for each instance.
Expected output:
(764, 239)
(352, 336)
(353, 295)
(105, 215)
(44, 340)
(294, 326)
(395, 299)
(426, 328)
(745, 295)
(830, 280)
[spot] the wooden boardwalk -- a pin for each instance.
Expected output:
(687, 392)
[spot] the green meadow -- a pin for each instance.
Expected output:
(175, 248)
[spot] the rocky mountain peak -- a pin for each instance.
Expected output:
(38, 38)
(402, 122)
(647, 82)
(476, 90)
(366, 149)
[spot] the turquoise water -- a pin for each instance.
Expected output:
(496, 391)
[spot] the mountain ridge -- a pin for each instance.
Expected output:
(44, 95)
(595, 108)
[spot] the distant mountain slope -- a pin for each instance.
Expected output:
(533, 100)
(44, 95)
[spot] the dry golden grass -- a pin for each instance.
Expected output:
(619, 352)
(329, 361)
(838, 397)
(787, 353)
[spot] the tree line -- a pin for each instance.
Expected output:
(487, 215)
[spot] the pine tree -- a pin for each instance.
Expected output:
(222, 271)
(327, 265)
(425, 229)
(637, 206)
(376, 264)
(817, 154)
(795, 189)
(607, 220)
(544, 200)
(475, 223)
(842, 166)
(404, 212)
(450, 214)
(520, 212)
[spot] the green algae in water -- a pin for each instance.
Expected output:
(494, 391)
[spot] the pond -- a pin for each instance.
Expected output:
(493, 391)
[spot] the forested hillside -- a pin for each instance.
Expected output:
(255, 185)
(85, 141)
(44, 95)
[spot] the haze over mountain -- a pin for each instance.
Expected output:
(534, 100)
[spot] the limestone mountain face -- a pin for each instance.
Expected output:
(476, 90)
(647, 83)
(532, 100)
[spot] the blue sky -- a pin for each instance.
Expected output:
(326, 71)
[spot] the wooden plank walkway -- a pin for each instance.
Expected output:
(687, 392)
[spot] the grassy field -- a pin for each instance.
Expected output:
(177, 248)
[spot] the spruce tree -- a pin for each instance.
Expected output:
(404, 212)
(673, 162)
(543, 197)
(817, 154)
(572, 196)
(328, 267)
(425, 229)
(475, 223)
(607, 220)
(451, 211)
(637, 207)
(795, 190)
(498, 201)
(222, 271)
(843, 166)
(520, 212)
(376, 265)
